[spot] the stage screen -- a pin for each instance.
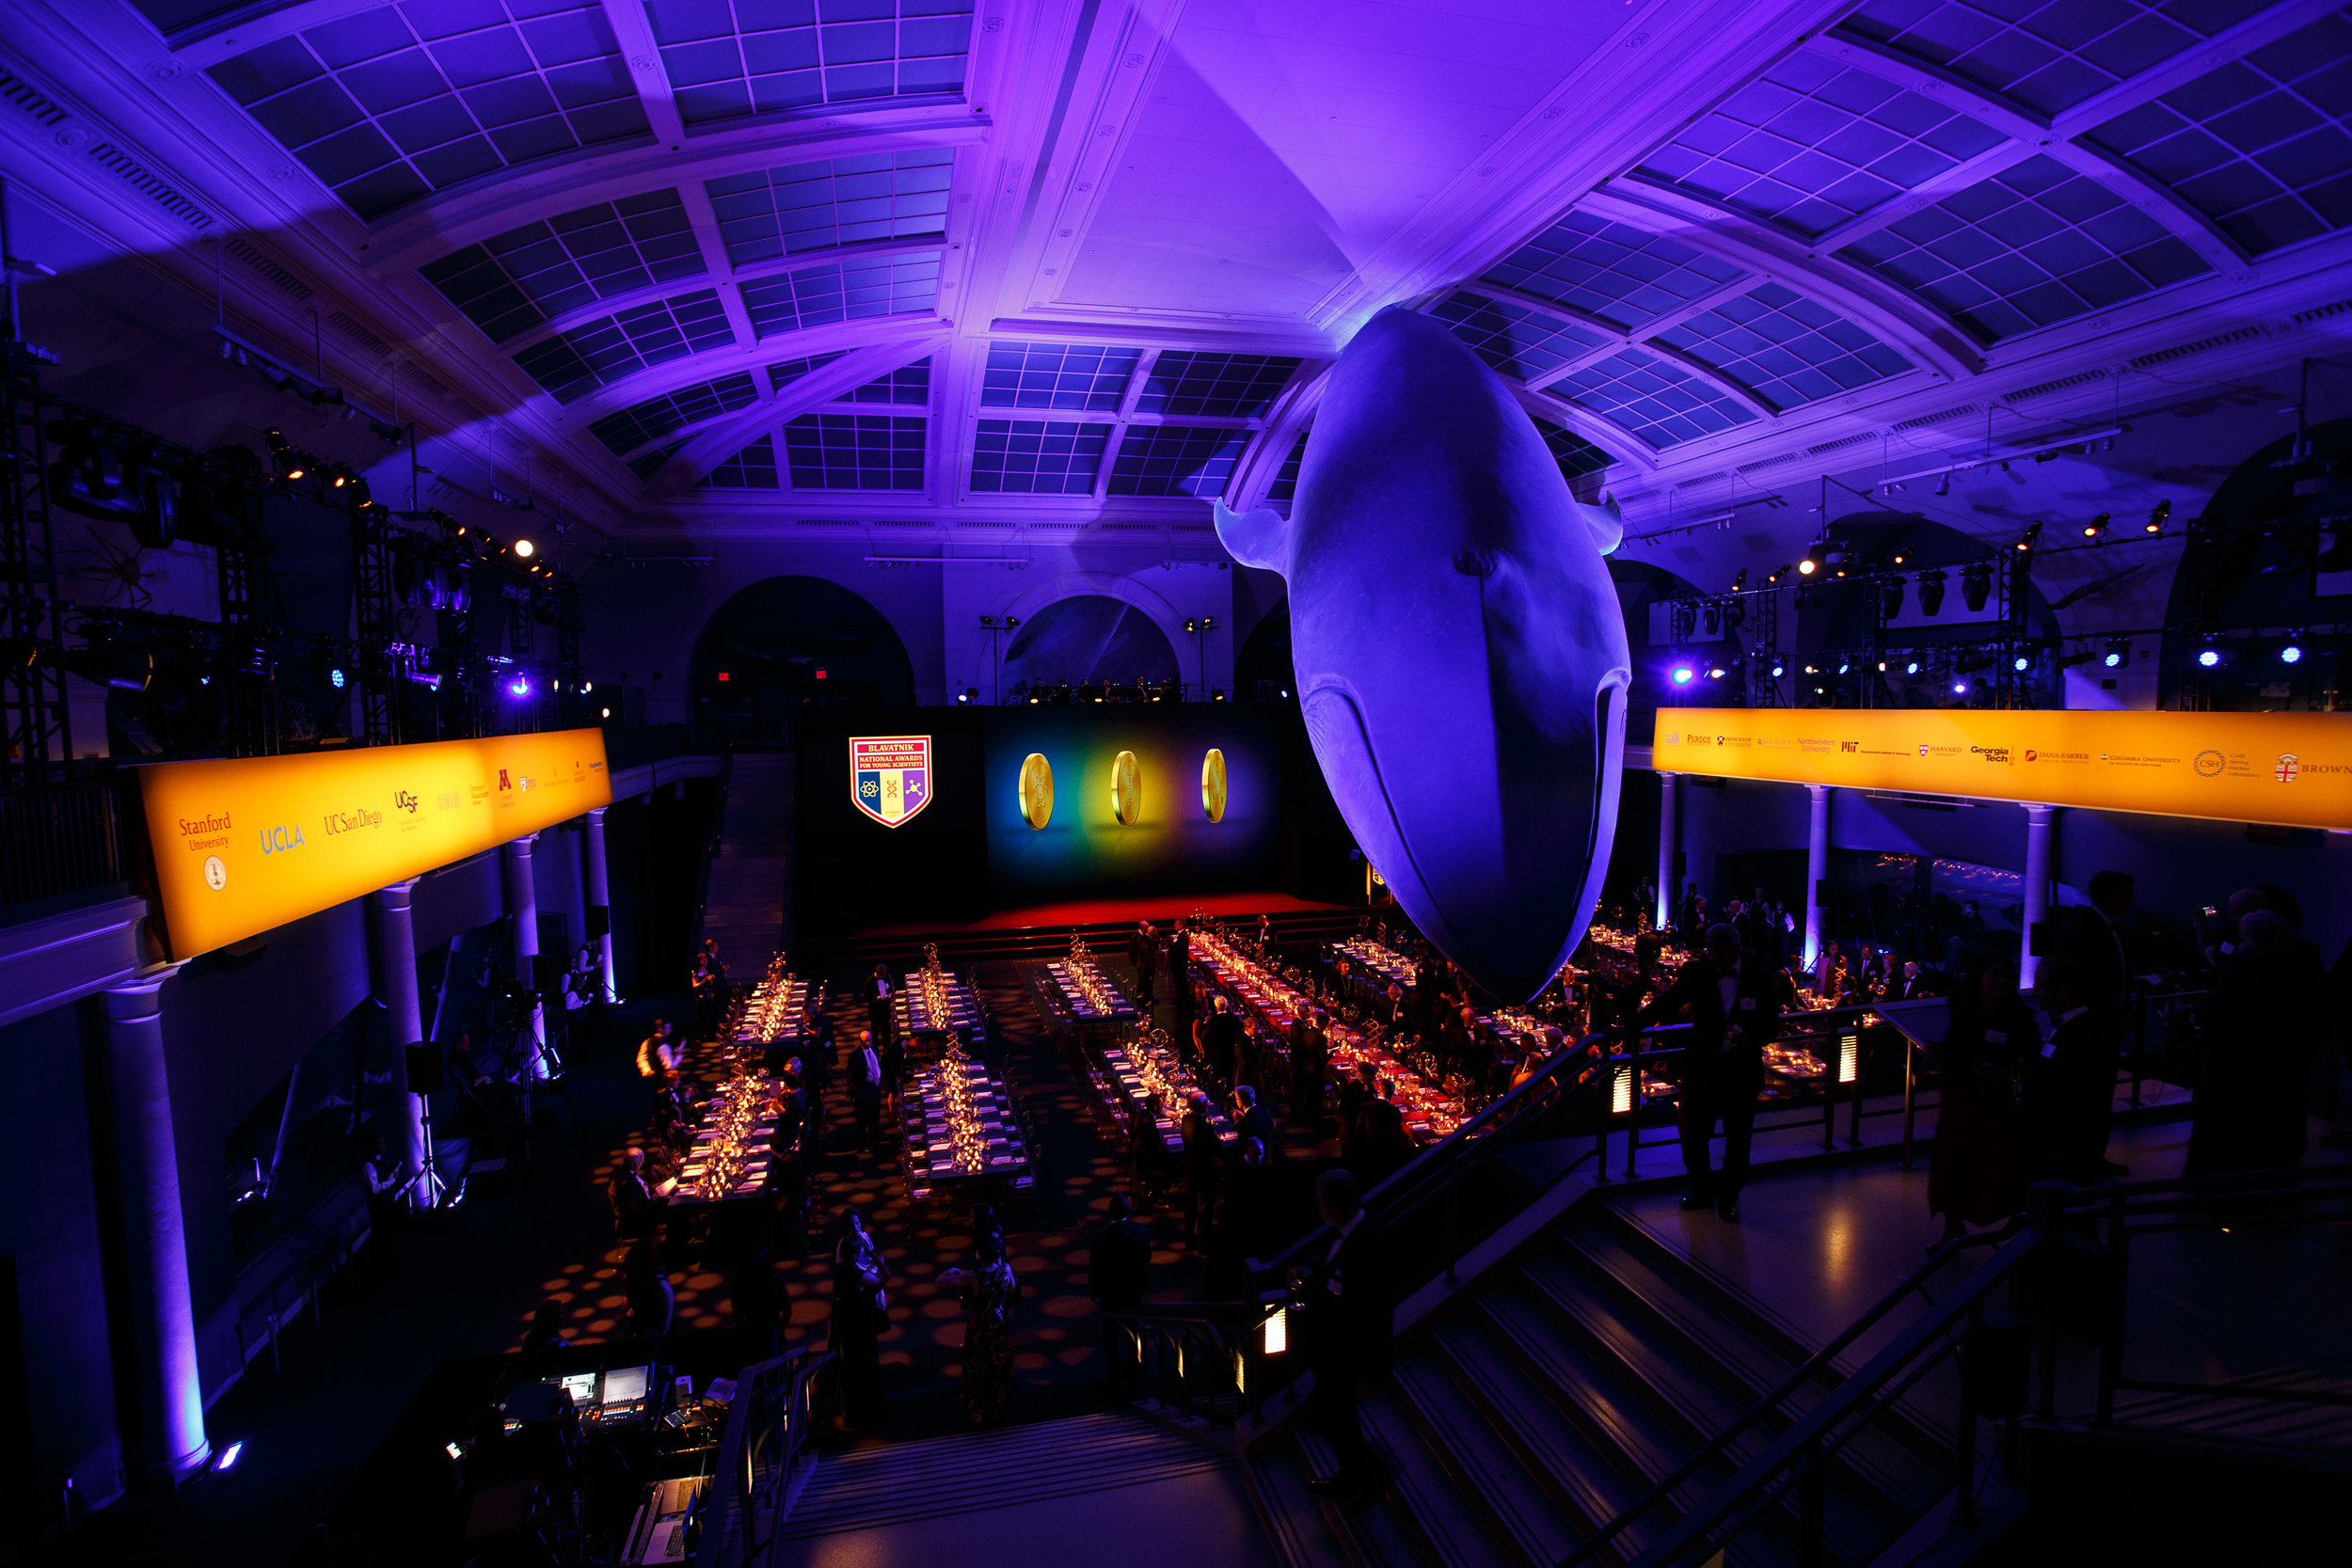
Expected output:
(1143, 762)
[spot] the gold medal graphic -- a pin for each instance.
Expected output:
(1037, 790)
(1127, 790)
(1213, 784)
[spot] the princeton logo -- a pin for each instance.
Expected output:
(890, 776)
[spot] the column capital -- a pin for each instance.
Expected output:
(135, 996)
(2039, 812)
(1818, 791)
(595, 815)
(519, 846)
(394, 896)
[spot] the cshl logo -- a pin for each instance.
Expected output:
(277, 841)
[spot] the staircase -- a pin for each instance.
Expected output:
(744, 900)
(1162, 1496)
(1549, 1396)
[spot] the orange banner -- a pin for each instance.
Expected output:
(247, 843)
(2288, 768)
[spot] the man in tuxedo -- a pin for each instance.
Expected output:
(865, 1090)
(1310, 1051)
(1204, 1164)
(878, 1002)
(1348, 1321)
(1220, 1038)
(1733, 1002)
(2069, 1088)
(1117, 1263)
(1253, 1120)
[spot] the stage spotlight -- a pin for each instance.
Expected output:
(2291, 653)
(1217, 694)
(1882, 667)
(1975, 586)
(2118, 649)
(2157, 518)
(2031, 537)
(519, 686)
(1812, 670)
(2021, 664)
(1930, 591)
(525, 550)
(1779, 669)
(2096, 526)
(1683, 621)
(1734, 615)
(1808, 565)
(1740, 580)
(2209, 658)
(1890, 599)
(1681, 675)
(1912, 667)
(1715, 672)
(1960, 688)
(1714, 618)
(605, 713)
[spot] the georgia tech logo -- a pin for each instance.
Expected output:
(277, 841)
(403, 800)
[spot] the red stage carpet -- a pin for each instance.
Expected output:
(1157, 907)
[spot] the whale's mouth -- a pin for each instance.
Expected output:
(1608, 738)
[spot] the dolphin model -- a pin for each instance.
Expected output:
(1461, 652)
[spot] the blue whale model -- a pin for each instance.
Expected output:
(1461, 652)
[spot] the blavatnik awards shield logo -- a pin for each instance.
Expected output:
(890, 776)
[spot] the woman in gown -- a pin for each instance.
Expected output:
(990, 1293)
(1975, 1175)
(861, 1311)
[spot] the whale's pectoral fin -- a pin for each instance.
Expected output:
(1604, 522)
(1260, 538)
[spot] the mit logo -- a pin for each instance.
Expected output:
(1850, 745)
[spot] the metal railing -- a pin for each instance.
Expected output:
(2068, 1279)
(766, 1441)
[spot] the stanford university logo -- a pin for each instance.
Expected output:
(2288, 767)
(890, 776)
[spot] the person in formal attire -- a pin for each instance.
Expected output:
(1381, 1144)
(652, 1299)
(990, 1293)
(1976, 1174)
(1348, 1319)
(636, 1202)
(2095, 942)
(656, 1055)
(1147, 991)
(1146, 1148)
(1265, 934)
(878, 992)
(1141, 950)
(1119, 1262)
(1204, 1163)
(1734, 1006)
(861, 1313)
(1364, 1086)
(2068, 1083)
(1309, 1052)
(386, 1179)
(865, 1090)
(1253, 1120)
(2259, 1018)
(1220, 1039)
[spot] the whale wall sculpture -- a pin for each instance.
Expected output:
(1461, 658)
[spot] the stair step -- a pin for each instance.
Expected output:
(1293, 1515)
(1371, 1535)
(1447, 1526)
(1517, 1509)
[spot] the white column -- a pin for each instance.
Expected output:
(1664, 916)
(155, 1253)
(395, 961)
(522, 914)
(594, 873)
(2037, 820)
(1816, 870)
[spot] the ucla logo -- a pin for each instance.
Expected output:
(277, 841)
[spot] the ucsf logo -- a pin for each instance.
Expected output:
(277, 841)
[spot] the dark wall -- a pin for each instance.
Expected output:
(50, 1230)
(653, 857)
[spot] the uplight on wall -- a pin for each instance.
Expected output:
(1127, 790)
(1849, 1057)
(1037, 790)
(1213, 784)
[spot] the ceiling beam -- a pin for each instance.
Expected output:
(1628, 450)
(233, 29)
(2190, 63)
(718, 439)
(694, 368)
(632, 29)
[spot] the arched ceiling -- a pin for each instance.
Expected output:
(987, 263)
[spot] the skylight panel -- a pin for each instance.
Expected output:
(1284, 490)
(784, 372)
(843, 290)
(1576, 456)
(595, 354)
(752, 468)
(393, 102)
(1787, 349)
(854, 452)
(514, 281)
(1038, 457)
(1176, 460)
(908, 384)
(656, 417)
(1057, 376)
(1213, 386)
(647, 463)
(1619, 274)
(2046, 54)
(2034, 244)
(882, 195)
(2258, 145)
(1812, 144)
(1514, 339)
(1659, 401)
(727, 59)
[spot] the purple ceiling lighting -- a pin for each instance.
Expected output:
(843, 290)
(907, 385)
(572, 364)
(1516, 341)
(784, 372)
(882, 196)
(752, 468)
(641, 424)
(527, 277)
(854, 452)
(757, 57)
(1176, 460)
(1057, 376)
(1651, 398)
(1039, 457)
(1784, 348)
(1609, 270)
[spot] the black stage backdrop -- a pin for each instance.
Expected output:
(968, 851)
